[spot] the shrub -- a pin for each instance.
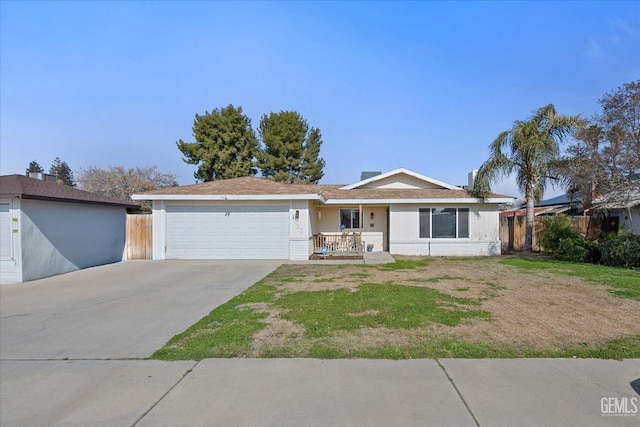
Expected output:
(553, 229)
(577, 250)
(621, 251)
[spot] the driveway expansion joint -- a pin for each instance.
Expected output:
(144, 414)
(453, 384)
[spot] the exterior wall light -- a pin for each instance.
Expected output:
(297, 215)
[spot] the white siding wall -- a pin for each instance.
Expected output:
(299, 230)
(10, 262)
(483, 230)
(159, 231)
(61, 237)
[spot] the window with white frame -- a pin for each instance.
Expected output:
(349, 218)
(444, 223)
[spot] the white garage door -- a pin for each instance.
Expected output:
(227, 232)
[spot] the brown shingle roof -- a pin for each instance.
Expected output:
(253, 186)
(248, 185)
(31, 188)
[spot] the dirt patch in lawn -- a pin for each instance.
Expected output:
(538, 312)
(529, 309)
(277, 332)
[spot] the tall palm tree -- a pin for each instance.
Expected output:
(530, 149)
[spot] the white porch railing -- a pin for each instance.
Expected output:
(337, 243)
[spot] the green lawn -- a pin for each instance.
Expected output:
(413, 308)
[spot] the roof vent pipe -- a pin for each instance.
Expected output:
(472, 178)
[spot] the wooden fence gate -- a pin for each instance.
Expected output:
(139, 236)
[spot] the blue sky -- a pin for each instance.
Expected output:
(421, 85)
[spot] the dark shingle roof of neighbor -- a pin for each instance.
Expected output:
(254, 186)
(32, 188)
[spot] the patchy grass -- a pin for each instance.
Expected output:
(358, 274)
(374, 306)
(226, 332)
(425, 307)
(622, 282)
(405, 264)
(435, 279)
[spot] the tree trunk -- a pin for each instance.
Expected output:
(528, 238)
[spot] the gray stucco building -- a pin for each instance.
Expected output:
(48, 229)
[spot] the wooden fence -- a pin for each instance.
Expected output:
(513, 230)
(139, 236)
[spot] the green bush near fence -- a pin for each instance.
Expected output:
(559, 236)
(621, 251)
(555, 228)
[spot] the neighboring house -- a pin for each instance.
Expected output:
(563, 203)
(48, 229)
(621, 208)
(401, 211)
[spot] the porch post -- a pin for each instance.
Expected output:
(361, 222)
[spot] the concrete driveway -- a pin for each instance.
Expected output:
(71, 349)
(118, 311)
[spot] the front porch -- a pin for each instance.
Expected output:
(348, 229)
(344, 243)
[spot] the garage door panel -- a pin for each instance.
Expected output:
(227, 232)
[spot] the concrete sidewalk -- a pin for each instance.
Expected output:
(311, 392)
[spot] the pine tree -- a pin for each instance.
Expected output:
(34, 167)
(290, 148)
(62, 170)
(312, 163)
(225, 145)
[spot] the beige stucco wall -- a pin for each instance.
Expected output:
(327, 220)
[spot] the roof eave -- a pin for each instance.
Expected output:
(449, 200)
(225, 197)
(79, 201)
